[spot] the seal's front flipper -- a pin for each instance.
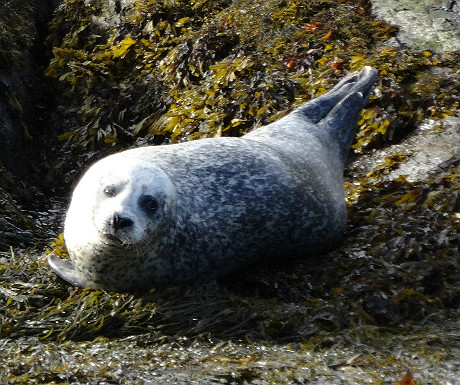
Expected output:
(318, 109)
(64, 269)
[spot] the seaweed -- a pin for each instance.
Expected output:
(151, 72)
(17, 32)
(156, 72)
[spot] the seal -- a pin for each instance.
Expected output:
(188, 212)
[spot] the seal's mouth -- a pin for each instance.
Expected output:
(110, 239)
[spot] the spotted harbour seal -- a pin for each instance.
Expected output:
(165, 215)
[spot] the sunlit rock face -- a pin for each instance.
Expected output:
(424, 24)
(431, 146)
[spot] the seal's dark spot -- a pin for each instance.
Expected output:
(148, 203)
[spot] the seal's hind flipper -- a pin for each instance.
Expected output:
(341, 121)
(64, 269)
(337, 111)
(318, 109)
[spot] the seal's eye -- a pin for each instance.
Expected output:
(148, 203)
(110, 191)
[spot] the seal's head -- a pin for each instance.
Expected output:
(122, 202)
(130, 203)
(120, 208)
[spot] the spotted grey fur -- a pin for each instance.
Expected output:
(166, 215)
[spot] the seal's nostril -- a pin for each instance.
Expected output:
(121, 222)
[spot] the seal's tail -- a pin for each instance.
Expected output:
(338, 110)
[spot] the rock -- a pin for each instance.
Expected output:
(20, 72)
(23, 26)
(424, 24)
(430, 146)
(427, 148)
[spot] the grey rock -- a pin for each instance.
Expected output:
(430, 146)
(424, 24)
